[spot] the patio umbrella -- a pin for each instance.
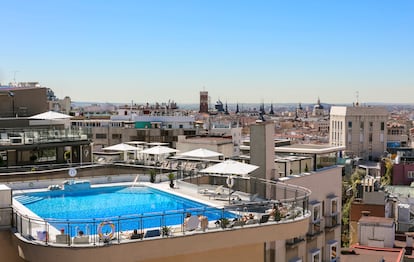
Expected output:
(201, 153)
(159, 150)
(122, 147)
(230, 167)
(50, 115)
(158, 144)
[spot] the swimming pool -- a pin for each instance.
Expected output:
(126, 207)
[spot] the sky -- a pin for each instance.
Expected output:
(239, 51)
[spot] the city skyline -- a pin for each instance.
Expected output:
(238, 51)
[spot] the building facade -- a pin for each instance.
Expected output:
(361, 129)
(203, 102)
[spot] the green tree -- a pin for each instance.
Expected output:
(386, 179)
(350, 189)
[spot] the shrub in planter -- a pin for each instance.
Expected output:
(171, 178)
(152, 175)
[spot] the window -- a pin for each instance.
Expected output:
(334, 206)
(410, 174)
(116, 136)
(370, 137)
(180, 126)
(316, 212)
(361, 125)
(100, 136)
(332, 250)
(382, 126)
(350, 124)
(315, 255)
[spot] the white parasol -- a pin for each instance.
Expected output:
(201, 153)
(230, 167)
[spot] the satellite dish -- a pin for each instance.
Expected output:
(72, 172)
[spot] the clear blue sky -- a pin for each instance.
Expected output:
(239, 51)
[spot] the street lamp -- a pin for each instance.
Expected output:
(11, 94)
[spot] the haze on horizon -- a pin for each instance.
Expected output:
(238, 51)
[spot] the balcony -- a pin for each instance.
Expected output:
(18, 137)
(293, 242)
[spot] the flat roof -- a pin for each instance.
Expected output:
(309, 149)
(376, 220)
(364, 254)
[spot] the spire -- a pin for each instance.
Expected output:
(271, 112)
(262, 110)
(227, 110)
(237, 108)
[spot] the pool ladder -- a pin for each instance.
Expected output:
(136, 180)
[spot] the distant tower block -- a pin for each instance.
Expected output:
(203, 102)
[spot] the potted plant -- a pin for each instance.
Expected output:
(278, 215)
(166, 231)
(224, 222)
(153, 174)
(171, 177)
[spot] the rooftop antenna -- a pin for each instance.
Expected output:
(357, 98)
(14, 76)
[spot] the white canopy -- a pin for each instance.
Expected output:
(50, 115)
(157, 144)
(121, 147)
(230, 167)
(159, 150)
(124, 148)
(136, 142)
(201, 153)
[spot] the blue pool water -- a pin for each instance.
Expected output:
(127, 207)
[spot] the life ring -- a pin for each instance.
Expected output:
(106, 235)
(230, 181)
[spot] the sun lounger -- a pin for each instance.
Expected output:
(211, 191)
(237, 223)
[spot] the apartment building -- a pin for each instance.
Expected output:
(361, 129)
(119, 129)
(323, 239)
(22, 100)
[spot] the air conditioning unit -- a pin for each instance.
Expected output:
(16, 140)
(28, 140)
